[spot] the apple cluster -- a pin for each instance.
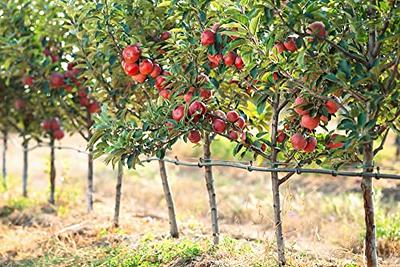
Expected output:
(53, 127)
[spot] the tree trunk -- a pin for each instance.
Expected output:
(211, 191)
(52, 172)
(173, 227)
(89, 193)
(118, 194)
(367, 191)
(275, 187)
(25, 168)
(4, 162)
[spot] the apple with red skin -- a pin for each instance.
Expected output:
(331, 106)
(165, 36)
(131, 53)
(298, 141)
(57, 80)
(70, 65)
(166, 94)
(317, 28)
(324, 119)
(311, 145)
(130, 68)
(205, 94)
(219, 126)
(220, 114)
(244, 137)
(54, 58)
(188, 97)
(68, 88)
(232, 116)
(215, 60)
(239, 63)
(280, 47)
(139, 78)
(27, 80)
(275, 76)
(47, 51)
(160, 83)
(82, 93)
(263, 147)
(290, 44)
(156, 71)
(197, 108)
(229, 59)
(233, 135)
(19, 104)
(55, 124)
(178, 113)
(297, 102)
(240, 122)
(207, 38)
(93, 107)
(194, 136)
(84, 101)
(46, 125)
(58, 134)
(281, 136)
(332, 143)
(309, 122)
(146, 67)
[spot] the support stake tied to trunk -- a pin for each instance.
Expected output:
(52, 172)
(89, 193)
(118, 189)
(4, 159)
(25, 166)
(211, 190)
(173, 226)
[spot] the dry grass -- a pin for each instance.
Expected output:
(323, 217)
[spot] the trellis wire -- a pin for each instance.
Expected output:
(249, 167)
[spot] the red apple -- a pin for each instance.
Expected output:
(19, 104)
(331, 106)
(205, 94)
(156, 71)
(84, 101)
(290, 44)
(68, 88)
(54, 58)
(239, 63)
(219, 126)
(275, 76)
(165, 36)
(46, 125)
(58, 134)
(27, 80)
(166, 94)
(297, 102)
(309, 122)
(82, 93)
(240, 122)
(233, 135)
(298, 141)
(160, 83)
(229, 59)
(130, 68)
(311, 144)
(332, 143)
(55, 124)
(188, 97)
(207, 37)
(263, 147)
(139, 78)
(215, 60)
(232, 116)
(194, 136)
(93, 107)
(324, 119)
(197, 109)
(70, 65)
(317, 28)
(220, 114)
(57, 80)
(131, 53)
(146, 67)
(281, 136)
(178, 113)
(280, 47)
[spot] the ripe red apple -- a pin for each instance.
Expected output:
(290, 44)
(281, 136)
(239, 63)
(70, 65)
(280, 47)
(205, 94)
(139, 78)
(219, 126)
(244, 137)
(188, 97)
(220, 114)
(82, 93)
(332, 143)
(331, 106)
(19, 104)
(298, 141)
(27, 80)
(215, 27)
(55, 124)
(46, 52)
(156, 71)
(233, 135)
(54, 58)
(194, 136)
(165, 36)
(275, 76)
(215, 60)
(131, 53)
(229, 59)
(46, 125)
(317, 28)
(84, 101)
(93, 107)
(56, 80)
(263, 147)
(197, 109)
(130, 68)
(178, 113)
(240, 122)
(68, 88)
(160, 83)
(232, 116)
(146, 67)
(311, 144)
(324, 119)
(297, 102)
(166, 94)
(58, 134)
(309, 122)
(207, 37)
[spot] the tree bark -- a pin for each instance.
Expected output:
(173, 227)
(89, 193)
(367, 191)
(118, 194)
(52, 172)
(4, 159)
(211, 191)
(275, 187)
(25, 168)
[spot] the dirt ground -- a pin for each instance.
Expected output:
(322, 215)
